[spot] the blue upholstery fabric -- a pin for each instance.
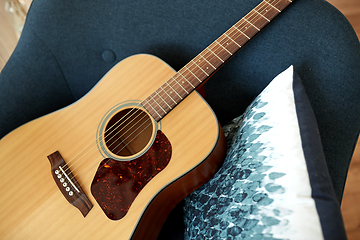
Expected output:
(67, 46)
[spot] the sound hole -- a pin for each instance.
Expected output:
(128, 132)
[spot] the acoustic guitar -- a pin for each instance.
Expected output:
(116, 162)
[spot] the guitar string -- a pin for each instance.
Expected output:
(137, 107)
(122, 141)
(93, 144)
(122, 129)
(96, 162)
(98, 138)
(125, 145)
(252, 14)
(120, 150)
(174, 78)
(108, 140)
(248, 16)
(192, 67)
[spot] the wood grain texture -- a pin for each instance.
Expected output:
(32, 207)
(351, 10)
(8, 38)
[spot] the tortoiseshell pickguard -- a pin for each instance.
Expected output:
(117, 183)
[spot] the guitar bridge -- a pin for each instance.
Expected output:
(68, 185)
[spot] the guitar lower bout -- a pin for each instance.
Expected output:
(128, 183)
(126, 132)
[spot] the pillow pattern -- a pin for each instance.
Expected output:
(274, 183)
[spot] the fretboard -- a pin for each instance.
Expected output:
(199, 69)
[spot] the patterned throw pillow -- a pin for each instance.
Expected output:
(274, 183)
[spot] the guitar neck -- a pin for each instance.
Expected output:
(199, 69)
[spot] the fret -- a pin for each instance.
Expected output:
(161, 95)
(200, 81)
(212, 58)
(180, 86)
(174, 96)
(219, 51)
(251, 24)
(223, 47)
(281, 4)
(229, 43)
(180, 80)
(166, 107)
(238, 36)
(262, 15)
(272, 6)
(215, 55)
(242, 32)
(267, 11)
(173, 91)
(232, 40)
(186, 79)
(151, 110)
(199, 62)
(162, 89)
(157, 103)
(257, 21)
(246, 28)
(201, 69)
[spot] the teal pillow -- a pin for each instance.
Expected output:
(274, 183)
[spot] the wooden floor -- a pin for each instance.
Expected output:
(351, 202)
(351, 10)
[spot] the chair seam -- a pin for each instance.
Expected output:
(56, 60)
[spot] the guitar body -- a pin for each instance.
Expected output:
(115, 163)
(32, 205)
